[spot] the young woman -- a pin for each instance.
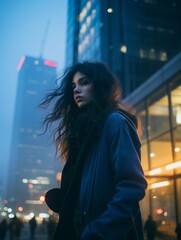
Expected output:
(102, 179)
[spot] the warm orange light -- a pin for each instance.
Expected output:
(20, 209)
(159, 211)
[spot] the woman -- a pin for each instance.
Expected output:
(102, 180)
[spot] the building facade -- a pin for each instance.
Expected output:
(158, 105)
(32, 167)
(133, 37)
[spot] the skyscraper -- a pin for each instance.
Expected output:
(133, 37)
(32, 167)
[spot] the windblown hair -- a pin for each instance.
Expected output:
(73, 122)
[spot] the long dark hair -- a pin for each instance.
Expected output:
(69, 118)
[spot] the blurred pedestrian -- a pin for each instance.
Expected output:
(178, 231)
(3, 229)
(102, 179)
(44, 225)
(150, 228)
(33, 226)
(15, 228)
(51, 224)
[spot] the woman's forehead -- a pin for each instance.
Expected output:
(78, 76)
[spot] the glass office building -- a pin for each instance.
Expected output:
(133, 37)
(32, 168)
(158, 106)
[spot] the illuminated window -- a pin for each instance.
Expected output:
(163, 56)
(152, 54)
(123, 49)
(142, 53)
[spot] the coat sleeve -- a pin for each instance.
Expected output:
(122, 211)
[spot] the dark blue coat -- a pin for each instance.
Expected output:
(112, 184)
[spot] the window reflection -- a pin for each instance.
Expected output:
(176, 106)
(163, 208)
(161, 151)
(158, 114)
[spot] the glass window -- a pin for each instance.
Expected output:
(161, 151)
(176, 102)
(158, 114)
(177, 147)
(145, 206)
(142, 126)
(163, 206)
(178, 183)
(144, 157)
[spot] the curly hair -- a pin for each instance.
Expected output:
(73, 122)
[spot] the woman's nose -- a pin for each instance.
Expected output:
(76, 89)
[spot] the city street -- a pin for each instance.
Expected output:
(40, 234)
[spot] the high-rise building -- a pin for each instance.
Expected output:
(32, 169)
(133, 37)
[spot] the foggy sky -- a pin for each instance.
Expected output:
(22, 28)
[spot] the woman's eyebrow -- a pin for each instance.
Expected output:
(82, 78)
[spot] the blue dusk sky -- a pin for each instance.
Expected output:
(22, 28)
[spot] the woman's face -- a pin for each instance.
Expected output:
(82, 89)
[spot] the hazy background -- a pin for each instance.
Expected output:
(22, 29)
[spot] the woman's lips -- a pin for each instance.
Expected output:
(78, 98)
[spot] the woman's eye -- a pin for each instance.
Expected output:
(84, 82)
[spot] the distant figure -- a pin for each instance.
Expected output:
(33, 226)
(51, 227)
(150, 228)
(178, 231)
(44, 225)
(3, 229)
(15, 228)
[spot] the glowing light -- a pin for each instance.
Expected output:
(20, 209)
(21, 63)
(88, 5)
(44, 215)
(159, 211)
(173, 165)
(109, 10)
(160, 184)
(155, 171)
(42, 198)
(123, 49)
(5, 201)
(33, 181)
(50, 63)
(3, 214)
(152, 155)
(10, 210)
(177, 149)
(25, 180)
(11, 215)
(165, 214)
(30, 186)
(178, 115)
(31, 214)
